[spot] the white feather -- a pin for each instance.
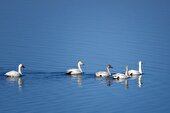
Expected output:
(121, 75)
(76, 71)
(136, 72)
(15, 73)
(104, 73)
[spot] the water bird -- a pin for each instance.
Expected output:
(104, 73)
(122, 75)
(15, 73)
(76, 71)
(136, 72)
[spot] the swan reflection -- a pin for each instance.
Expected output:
(14, 80)
(122, 80)
(78, 78)
(20, 82)
(140, 81)
(105, 80)
(126, 84)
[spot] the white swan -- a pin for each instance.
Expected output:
(15, 73)
(121, 75)
(104, 73)
(136, 72)
(75, 71)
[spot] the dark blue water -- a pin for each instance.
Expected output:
(49, 37)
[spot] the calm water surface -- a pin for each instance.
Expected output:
(50, 37)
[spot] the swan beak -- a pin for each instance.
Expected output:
(23, 66)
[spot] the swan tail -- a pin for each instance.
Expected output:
(69, 72)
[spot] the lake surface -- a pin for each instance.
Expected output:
(50, 37)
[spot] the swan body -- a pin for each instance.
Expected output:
(104, 73)
(136, 72)
(75, 71)
(15, 73)
(121, 75)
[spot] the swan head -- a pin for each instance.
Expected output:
(109, 66)
(140, 62)
(80, 62)
(21, 66)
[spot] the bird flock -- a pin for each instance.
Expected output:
(128, 73)
(77, 71)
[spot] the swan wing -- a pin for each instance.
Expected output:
(120, 76)
(115, 76)
(13, 74)
(73, 71)
(102, 73)
(133, 72)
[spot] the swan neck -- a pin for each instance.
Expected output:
(79, 67)
(19, 70)
(108, 70)
(140, 68)
(126, 72)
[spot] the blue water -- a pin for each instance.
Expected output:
(49, 37)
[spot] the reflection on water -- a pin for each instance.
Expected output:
(78, 78)
(122, 80)
(109, 81)
(126, 83)
(105, 80)
(140, 81)
(52, 36)
(20, 82)
(15, 80)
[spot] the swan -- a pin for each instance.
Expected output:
(136, 72)
(15, 73)
(104, 73)
(75, 71)
(121, 75)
